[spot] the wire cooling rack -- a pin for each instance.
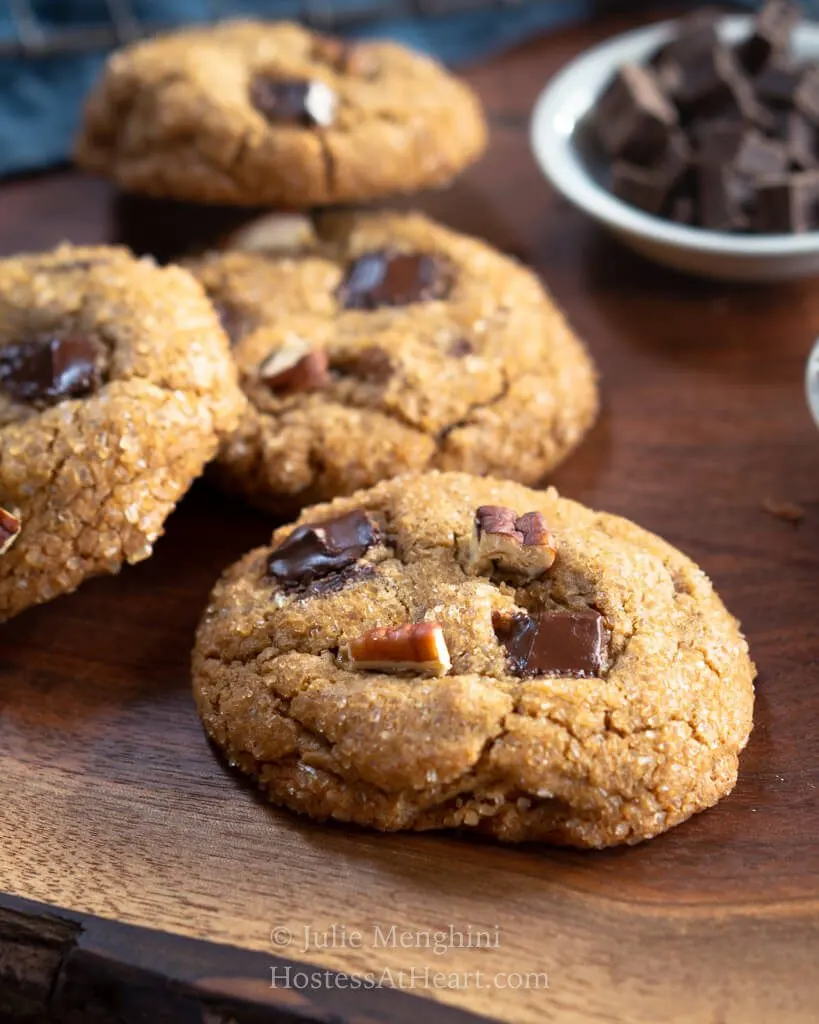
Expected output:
(30, 33)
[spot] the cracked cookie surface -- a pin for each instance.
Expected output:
(385, 343)
(116, 384)
(262, 114)
(472, 739)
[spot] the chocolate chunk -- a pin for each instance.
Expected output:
(788, 204)
(317, 549)
(47, 370)
(337, 581)
(777, 85)
(682, 210)
(371, 364)
(705, 82)
(802, 141)
(747, 105)
(692, 34)
(571, 643)
(758, 157)
(771, 36)
(633, 119)
(640, 186)
(650, 187)
(388, 278)
(293, 101)
(724, 197)
(718, 141)
(806, 96)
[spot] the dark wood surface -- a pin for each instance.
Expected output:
(114, 805)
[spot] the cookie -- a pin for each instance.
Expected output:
(270, 114)
(384, 343)
(116, 384)
(443, 651)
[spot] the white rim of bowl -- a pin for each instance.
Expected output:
(812, 382)
(565, 101)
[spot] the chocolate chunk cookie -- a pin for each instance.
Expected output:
(383, 343)
(272, 114)
(116, 384)
(444, 651)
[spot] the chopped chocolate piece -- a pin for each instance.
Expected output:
(777, 85)
(293, 101)
(317, 549)
(747, 104)
(639, 186)
(389, 278)
(758, 157)
(693, 31)
(683, 210)
(650, 187)
(337, 581)
(48, 370)
(371, 364)
(570, 643)
(295, 367)
(724, 197)
(416, 647)
(718, 141)
(802, 140)
(788, 204)
(806, 96)
(9, 529)
(633, 118)
(702, 78)
(771, 35)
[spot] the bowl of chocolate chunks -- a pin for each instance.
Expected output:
(696, 141)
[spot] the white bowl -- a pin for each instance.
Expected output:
(561, 143)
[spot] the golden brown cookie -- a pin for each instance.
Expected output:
(259, 113)
(387, 343)
(444, 651)
(116, 385)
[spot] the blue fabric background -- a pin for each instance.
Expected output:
(40, 98)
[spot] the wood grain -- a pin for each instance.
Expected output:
(113, 803)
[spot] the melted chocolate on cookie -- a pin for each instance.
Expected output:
(293, 101)
(318, 549)
(388, 278)
(570, 643)
(49, 370)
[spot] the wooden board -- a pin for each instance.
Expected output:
(114, 805)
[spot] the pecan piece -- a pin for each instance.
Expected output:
(10, 527)
(273, 233)
(416, 647)
(501, 539)
(295, 367)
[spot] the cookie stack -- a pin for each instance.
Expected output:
(434, 650)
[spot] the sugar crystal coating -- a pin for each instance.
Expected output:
(115, 386)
